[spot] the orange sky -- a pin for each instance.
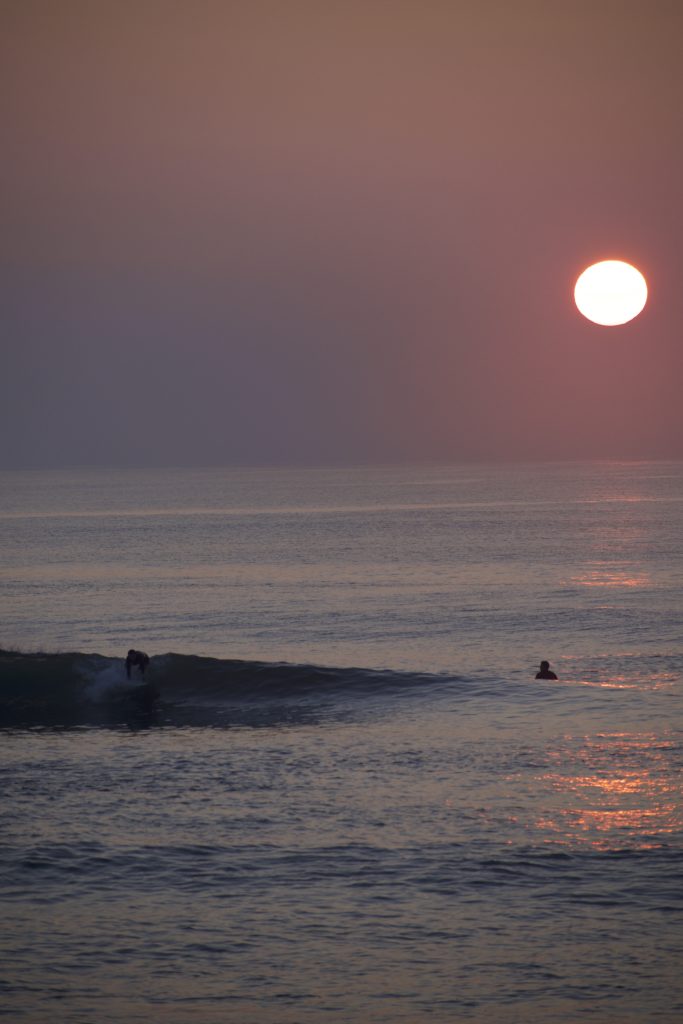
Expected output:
(305, 232)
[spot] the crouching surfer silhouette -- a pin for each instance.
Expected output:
(136, 659)
(545, 672)
(144, 696)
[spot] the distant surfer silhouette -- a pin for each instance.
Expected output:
(136, 659)
(545, 672)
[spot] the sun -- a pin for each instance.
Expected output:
(610, 293)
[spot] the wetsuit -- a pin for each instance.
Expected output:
(139, 659)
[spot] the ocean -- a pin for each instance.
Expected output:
(339, 793)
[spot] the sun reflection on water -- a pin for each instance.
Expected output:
(607, 574)
(649, 681)
(621, 793)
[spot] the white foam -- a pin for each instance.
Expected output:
(107, 681)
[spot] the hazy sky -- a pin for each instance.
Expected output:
(282, 232)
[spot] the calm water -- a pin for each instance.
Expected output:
(402, 824)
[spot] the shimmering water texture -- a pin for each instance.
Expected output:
(361, 806)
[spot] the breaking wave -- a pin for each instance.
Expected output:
(76, 688)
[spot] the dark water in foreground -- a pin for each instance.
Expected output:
(432, 835)
(352, 846)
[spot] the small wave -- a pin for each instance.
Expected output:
(75, 688)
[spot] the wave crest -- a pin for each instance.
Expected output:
(75, 688)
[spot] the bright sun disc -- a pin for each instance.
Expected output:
(610, 293)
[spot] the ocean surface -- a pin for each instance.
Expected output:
(340, 794)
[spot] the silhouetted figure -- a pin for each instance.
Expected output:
(545, 672)
(136, 659)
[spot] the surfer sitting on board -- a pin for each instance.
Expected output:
(138, 658)
(545, 672)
